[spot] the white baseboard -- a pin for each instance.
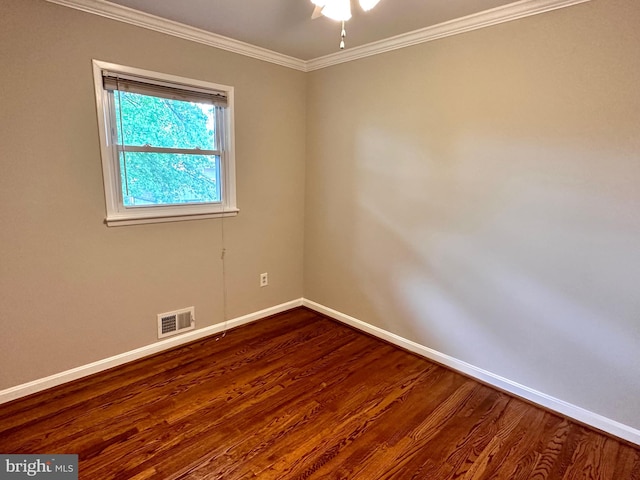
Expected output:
(586, 417)
(85, 370)
(572, 411)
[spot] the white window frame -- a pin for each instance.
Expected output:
(117, 213)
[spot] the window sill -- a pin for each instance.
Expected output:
(124, 219)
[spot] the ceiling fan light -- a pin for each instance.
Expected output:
(368, 4)
(339, 10)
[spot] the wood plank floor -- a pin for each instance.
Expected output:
(299, 396)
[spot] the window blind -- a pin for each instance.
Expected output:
(128, 83)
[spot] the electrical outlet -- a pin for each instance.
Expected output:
(264, 279)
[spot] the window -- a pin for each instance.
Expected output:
(166, 145)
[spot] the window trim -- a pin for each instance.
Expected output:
(117, 213)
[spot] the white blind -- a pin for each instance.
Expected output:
(173, 91)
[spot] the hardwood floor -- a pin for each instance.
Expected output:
(299, 396)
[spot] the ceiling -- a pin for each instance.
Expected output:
(285, 26)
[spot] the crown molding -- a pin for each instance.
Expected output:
(186, 32)
(487, 18)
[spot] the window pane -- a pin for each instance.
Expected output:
(161, 122)
(169, 179)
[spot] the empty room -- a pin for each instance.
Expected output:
(304, 239)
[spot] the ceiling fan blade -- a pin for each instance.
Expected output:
(368, 4)
(317, 12)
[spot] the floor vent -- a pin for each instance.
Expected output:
(178, 321)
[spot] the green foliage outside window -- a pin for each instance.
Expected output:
(152, 178)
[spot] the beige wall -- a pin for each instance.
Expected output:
(73, 290)
(480, 195)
